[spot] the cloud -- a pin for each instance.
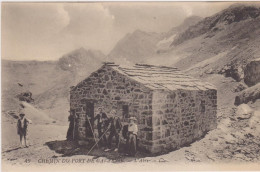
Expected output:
(91, 26)
(44, 31)
(188, 10)
(153, 16)
(27, 28)
(87, 17)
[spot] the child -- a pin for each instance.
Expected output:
(22, 125)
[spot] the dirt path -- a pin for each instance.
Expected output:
(37, 137)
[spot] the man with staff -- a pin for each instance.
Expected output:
(113, 126)
(114, 130)
(101, 118)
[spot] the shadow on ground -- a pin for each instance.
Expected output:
(71, 148)
(10, 150)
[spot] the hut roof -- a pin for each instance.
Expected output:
(161, 77)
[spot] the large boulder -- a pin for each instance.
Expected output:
(249, 94)
(252, 72)
(26, 97)
(244, 111)
(233, 71)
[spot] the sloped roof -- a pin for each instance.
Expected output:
(161, 77)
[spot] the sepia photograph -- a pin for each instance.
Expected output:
(129, 86)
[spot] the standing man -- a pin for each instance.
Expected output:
(22, 126)
(132, 136)
(101, 118)
(114, 128)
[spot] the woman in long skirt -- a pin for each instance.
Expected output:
(132, 137)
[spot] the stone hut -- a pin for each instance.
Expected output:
(172, 109)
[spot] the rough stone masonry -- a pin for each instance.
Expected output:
(172, 109)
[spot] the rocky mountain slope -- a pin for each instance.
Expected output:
(223, 43)
(139, 46)
(135, 47)
(49, 82)
(74, 67)
(169, 37)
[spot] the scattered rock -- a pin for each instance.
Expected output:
(240, 87)
(229, 139)
(233, 71)
(13, 114)
(26, 97)
(254, 124)
(209, 71)
(244, 111)
(190, 156)
(249, 94)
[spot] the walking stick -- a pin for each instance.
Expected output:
(118, 140)
(98, 141)
(73, 132)
(92, 131)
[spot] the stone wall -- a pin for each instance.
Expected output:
(181, 117)
(110, 89)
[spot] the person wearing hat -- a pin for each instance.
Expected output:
(101, 118)
(22, 126)
(114, 129)
(132, 136)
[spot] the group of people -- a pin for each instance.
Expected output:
(109, 127)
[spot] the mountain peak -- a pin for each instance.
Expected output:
(135, 46)
(219, 21)
(238, 12)
(80, 57)
(81, 49)
(138, 31)
(191, 19)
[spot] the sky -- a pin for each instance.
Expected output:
(46, 31)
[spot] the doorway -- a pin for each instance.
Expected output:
(90, 114)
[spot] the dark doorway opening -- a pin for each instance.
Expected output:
(90, 119)
(125, 110)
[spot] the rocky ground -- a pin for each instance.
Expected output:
(39, 134)
(235, 140)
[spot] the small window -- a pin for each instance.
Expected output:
(125, 111)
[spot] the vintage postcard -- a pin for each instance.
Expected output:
(108, 86)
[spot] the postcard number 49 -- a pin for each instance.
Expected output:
(27, 161)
